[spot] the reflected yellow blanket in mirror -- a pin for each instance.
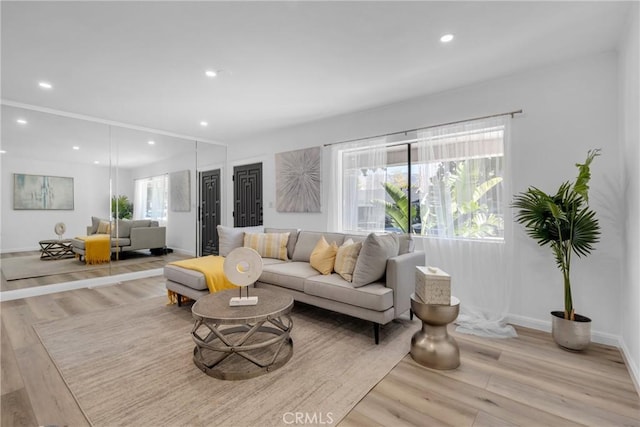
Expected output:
(97, 248)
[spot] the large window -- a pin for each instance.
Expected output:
(444, 182)
(151, 198)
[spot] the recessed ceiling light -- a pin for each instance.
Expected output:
(95, 162)
(21, 121)
(151, 142)
(3, 152)
(45, 85)
(446, 38)
(211, 73)
(204, 124)
(75, 147)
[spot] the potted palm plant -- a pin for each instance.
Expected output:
(566, 223)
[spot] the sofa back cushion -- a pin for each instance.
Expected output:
(268, 245)
(307, 241)
(230, 238)
(293, 237)
(372, 260)
(121, 229)
(405, 244)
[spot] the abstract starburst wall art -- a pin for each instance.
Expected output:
(298, 180)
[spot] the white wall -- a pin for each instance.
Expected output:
(630, 136)
(569, 108)
(21, 230)
(181, 226)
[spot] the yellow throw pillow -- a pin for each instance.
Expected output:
(346, 259)
(323, 256)
(104, 227)
(268, 245)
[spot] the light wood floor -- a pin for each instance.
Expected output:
(524, 381)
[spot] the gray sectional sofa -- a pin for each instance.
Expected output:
(128, 235)
(379, 302)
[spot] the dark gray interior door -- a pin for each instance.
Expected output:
(247, 195)
(209, 211)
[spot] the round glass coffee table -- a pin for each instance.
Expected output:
(241, 342)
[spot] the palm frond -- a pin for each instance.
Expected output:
(584, 174)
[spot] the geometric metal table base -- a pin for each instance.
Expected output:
(56, 249)
(257, 349)
(244, 341)
(432, 346)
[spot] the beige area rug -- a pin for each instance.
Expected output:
(133, 366)
(26, 267)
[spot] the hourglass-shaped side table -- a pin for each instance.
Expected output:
(432, 346)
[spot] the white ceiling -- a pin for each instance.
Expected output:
(284, 63)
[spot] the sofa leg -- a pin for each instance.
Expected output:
(410, 314)
(376, 332)
(179, 299)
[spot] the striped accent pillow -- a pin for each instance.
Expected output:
(268, 245)
(346, 259)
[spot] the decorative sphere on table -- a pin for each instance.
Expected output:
(243, 266)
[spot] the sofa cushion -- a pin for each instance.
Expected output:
(230, 238)
(375, 296)
(372, 260)
(271, 261)
(191, 278)
(122, 228)
(307, 242)
(355, 237)
(346, 258)
(120, 242)
(287, 274)
(268, 245)
(405, 243)
(293, 237)
(323, 256)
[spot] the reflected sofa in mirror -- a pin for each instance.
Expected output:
(105, 166)
(48, 161)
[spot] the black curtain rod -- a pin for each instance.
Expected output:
(510, 113)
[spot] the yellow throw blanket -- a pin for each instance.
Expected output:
(97, 248)
(211, 267)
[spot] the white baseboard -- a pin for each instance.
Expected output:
(13, 250)
(634, 369)
(545, 325)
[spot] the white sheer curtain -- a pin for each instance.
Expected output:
(150, 199)
(357, 174)
(464, 188)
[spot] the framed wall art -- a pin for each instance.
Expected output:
(42, 192)
(180, 191)
(298, 180)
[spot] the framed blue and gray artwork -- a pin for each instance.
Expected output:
(42, 192)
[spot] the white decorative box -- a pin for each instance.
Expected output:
(433, 286)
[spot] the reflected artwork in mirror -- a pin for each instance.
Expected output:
(120, 176)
